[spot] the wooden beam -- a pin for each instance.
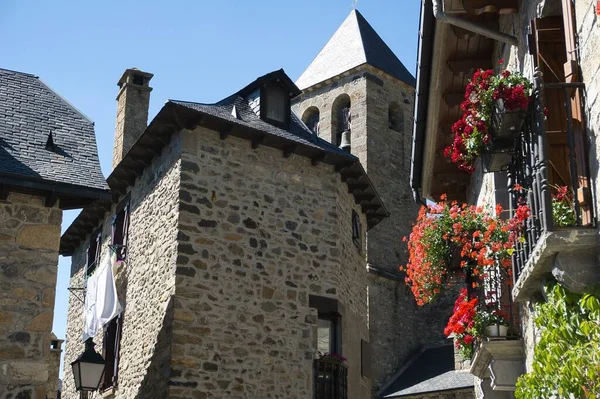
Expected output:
(468, 66)
(289, 150)
(50, 200)
(224, 133)
(257, 140)
(349, 175)
(340, 166)
(318, 158)
(4, 192)
(454, 99)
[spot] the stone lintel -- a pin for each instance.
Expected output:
(489, 351)
(568, 242)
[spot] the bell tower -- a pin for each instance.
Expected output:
(359, 96)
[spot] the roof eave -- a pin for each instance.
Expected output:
(173, 118)
(70, 196)
(424, 71)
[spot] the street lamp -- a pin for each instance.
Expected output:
(88, 369)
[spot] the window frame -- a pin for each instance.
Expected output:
(356, 230)
(264, 105)
(110, 380)
(123, 210)
(95, 243)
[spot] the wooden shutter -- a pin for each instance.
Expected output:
(125, 231)
(365, 359)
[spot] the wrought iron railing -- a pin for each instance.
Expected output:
(331, 379)
(529, 174)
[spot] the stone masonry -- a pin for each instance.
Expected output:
(258, 234)
(398, 328)
(29, 240)
(146, 283)
(226, 244)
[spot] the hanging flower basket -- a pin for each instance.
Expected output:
(506, 123)
(458, 240)
(493, 113)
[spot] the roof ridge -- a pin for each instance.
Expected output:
(74, 108)
(20, 73)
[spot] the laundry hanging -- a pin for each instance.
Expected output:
(101, 302)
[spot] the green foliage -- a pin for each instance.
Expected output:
(567, 356)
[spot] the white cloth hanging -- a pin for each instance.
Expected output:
(101, 302)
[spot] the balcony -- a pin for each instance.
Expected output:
(331, 379)
(551, 154)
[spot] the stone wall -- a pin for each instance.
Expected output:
(147, 280)
(259, 234)
(29, 239)
(398, 328)
(588, 31)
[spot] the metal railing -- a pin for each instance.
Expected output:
(330, 379)
(529, 174)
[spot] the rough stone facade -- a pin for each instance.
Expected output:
(145, 283)
(29, 240)
(226, 245)
(259, 234)
(398, 327)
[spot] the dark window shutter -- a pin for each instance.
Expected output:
(365, 359)
(110, 351)
(125, 231)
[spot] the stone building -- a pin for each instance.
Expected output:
(555, 44)
(48, 162)
(356, 93)
(242, 235)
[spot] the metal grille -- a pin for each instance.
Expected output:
(530, 170)
(331, 379)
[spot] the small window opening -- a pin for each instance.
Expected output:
(120, 226)
(395, 118)
(276, 104)
(356, 231)
(342, 122)
(93, 252)
(50, 146)
(311, 119)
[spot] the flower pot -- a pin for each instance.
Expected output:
(506, 124)
(496, 330)
(497, 157)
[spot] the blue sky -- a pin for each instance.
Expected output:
(198, 51)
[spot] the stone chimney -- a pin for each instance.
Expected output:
(133, 101)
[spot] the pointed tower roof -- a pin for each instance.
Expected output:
(354, 43)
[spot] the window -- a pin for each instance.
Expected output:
(93, 252)
(110, 351)
(311, 119)
(329, 331)
(395, 118)
(275, 105)
(120, 226)
(341, 121)
(356, 230)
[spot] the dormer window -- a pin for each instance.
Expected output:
(275, 105)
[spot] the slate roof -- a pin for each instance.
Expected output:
(431, 370)
(354, 43)
(29, 113)
(177, 115)
(296, 132)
